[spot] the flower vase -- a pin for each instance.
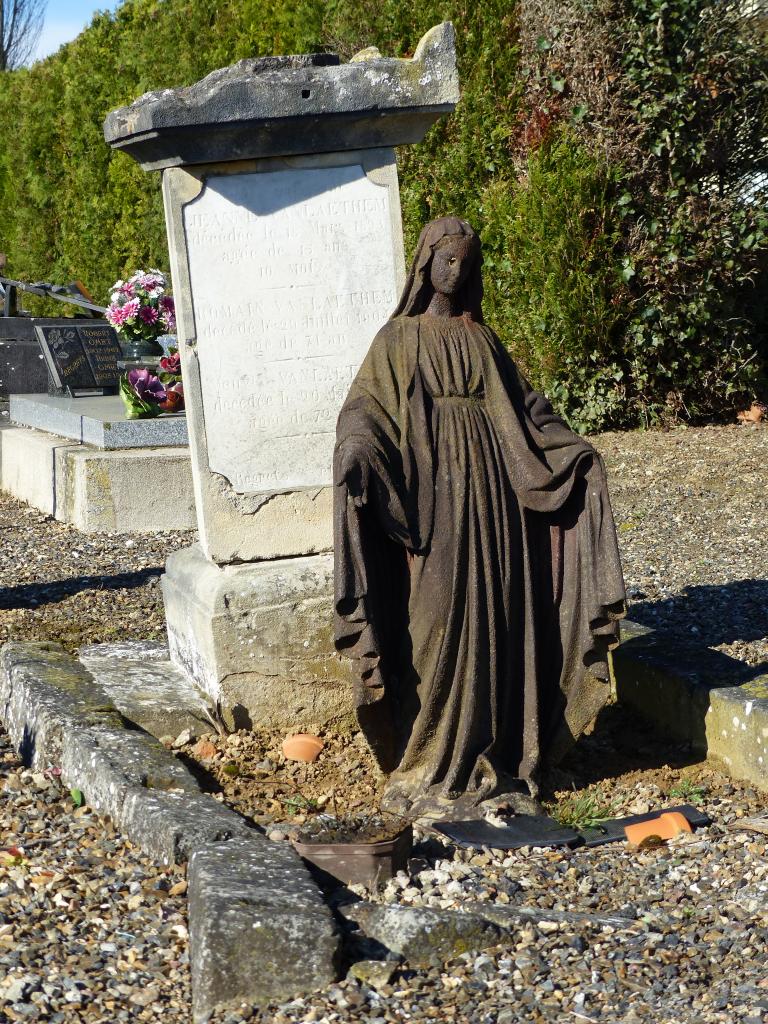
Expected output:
(135, 350)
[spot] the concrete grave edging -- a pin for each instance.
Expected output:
(258, 927)
(697, 699)
(95, 490)
(428, 936)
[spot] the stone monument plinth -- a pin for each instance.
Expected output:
(84, 462)
(283, 218)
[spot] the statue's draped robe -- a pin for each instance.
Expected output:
(478, 583)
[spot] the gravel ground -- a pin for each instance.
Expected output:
(696, 910)
(691, 524)
(690, 511)
(90, 929)
(249, 770)
(689, 506)
(75, 588)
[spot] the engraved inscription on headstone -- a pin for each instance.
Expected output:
(292, 275)
(102, 351)
(81, 357)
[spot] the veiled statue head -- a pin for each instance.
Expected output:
(447, 259)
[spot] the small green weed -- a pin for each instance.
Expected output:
(297, 803)
(582, 810)
(689, 790)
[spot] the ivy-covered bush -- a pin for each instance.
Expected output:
(563, 288)
(602, 147)
(674, 95)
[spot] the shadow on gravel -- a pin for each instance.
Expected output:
(705, 616)
(32, 595)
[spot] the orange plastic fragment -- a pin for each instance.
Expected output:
(665, 826)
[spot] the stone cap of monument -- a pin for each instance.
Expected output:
(287, 106)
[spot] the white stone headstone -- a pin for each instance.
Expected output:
(292, 273)
(285, 270)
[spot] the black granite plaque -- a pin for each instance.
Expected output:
(102, 351)
(81, 356)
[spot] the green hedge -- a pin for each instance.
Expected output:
(673, 96)
(70, 208)
(575, 283)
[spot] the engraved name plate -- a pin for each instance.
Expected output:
(291, 276)
(81, 356)
(102, 350)
(65, 356)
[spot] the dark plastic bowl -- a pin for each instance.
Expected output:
(360, 863)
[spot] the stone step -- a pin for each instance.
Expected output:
(146, 688)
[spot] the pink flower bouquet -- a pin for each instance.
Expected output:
(139, 309)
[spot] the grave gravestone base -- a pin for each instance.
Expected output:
(100, 421)
(136, 490)
(257, 639)
(84, 462)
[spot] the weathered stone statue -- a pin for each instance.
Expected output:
(478, 580)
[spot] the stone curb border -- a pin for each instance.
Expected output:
(425, 936)
(259, 930)
(715, 703)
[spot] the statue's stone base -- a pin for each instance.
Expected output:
(257, 638)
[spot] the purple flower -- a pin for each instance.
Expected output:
(138, 308)
(115, 315)
(149, 314)
(148, 387)
(168, 308)
(151, 282)
(149, 279)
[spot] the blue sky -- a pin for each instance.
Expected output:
(65, 19)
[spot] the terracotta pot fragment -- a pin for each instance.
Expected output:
(205, 750)
(302, 747)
